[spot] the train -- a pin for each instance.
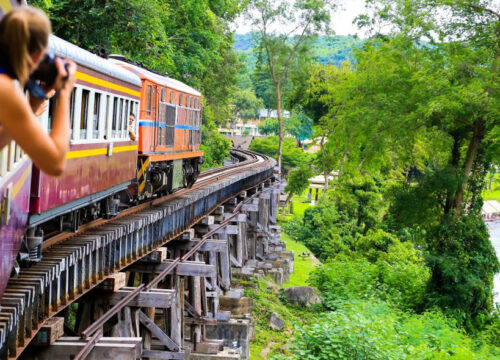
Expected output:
(112, 163)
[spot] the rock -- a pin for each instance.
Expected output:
(275, 322)
(302, 296)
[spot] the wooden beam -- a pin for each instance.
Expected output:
(157, 332)
(159, 298)
(187, 268)
(210, 245)
(158, 354)
(116, 349)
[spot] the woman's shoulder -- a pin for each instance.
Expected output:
(9, 85)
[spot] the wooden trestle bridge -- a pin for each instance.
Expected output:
(156, 281)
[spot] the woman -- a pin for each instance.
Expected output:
(24, 35)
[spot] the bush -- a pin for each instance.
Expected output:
(372, 330)
(398, 275)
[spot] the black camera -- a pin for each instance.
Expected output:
(46, 71)
(45, 74)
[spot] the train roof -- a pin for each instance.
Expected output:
(83, 57)
(156, 78)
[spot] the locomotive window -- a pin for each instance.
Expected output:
(187, 98)
(163, 91)
(148, 104)
(84, 114)
(171, 97)
(95, 116)
(180, 99)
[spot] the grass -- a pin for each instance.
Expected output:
(491, 195)
(303, 266)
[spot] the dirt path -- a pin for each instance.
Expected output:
(315, 260)
(265, 352)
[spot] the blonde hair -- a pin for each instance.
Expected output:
(24, 31)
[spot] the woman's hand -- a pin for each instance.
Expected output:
(65, 80)
(39, 106)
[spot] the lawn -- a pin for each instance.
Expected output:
(303, 266)
(491, 195)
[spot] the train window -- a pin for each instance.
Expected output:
(171, 97)
(163, 91)
(72, 111)
(125, 119)
(84, 113)
(95, 116)
(103, 121)
(186, 104)
(52, 104)
(120, 118)
(115, 117)
(148, 104)
(180, 99)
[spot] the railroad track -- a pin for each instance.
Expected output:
(75, 263)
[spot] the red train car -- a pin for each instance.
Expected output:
(169, 132)
(102, 159)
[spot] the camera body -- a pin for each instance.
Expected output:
(46, 71)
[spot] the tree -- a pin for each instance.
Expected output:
(190, 40)
(269, 126)
(246, 104)
(299, 125)
(276, 22)
(292, 155)
(297, 182)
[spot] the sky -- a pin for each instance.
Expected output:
(341, 19)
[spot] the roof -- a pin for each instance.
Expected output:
(265, 113)
(490, 207)
(65, 49)
(156, 78)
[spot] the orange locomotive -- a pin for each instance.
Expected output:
(169, 133)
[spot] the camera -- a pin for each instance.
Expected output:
(46, 71)
(45, 74)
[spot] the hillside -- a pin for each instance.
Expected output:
(327, 50)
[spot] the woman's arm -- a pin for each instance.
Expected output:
(48, 152)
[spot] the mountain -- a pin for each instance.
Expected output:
(327, 50)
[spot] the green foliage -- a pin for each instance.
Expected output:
(399, 275)
(215, 146)
(292, 155)
(373, 330)
(246, 104)
(463, 264)
(190, 40)
(299, 125)
(298, 180)
(269, 126)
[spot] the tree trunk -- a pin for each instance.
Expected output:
(455, 162)
(280, 147)
(475, 141)
(288, 198)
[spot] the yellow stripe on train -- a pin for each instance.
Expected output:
(107, 84)
(100, 151)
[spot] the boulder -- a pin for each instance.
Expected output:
(275, 322)
(302, 296)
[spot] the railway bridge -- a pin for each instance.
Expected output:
(158, 281)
